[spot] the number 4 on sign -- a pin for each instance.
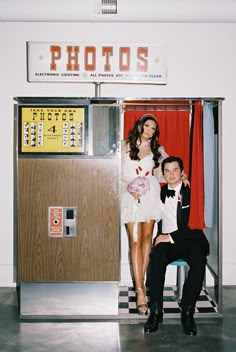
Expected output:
(52, 129)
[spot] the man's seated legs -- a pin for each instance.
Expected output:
(161, 256)
(158, 263)
(196, 259)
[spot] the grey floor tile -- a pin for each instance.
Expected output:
(214, 334)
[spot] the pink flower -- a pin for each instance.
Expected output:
(140, 185)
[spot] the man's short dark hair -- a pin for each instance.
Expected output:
(172, 159)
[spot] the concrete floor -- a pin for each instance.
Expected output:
(214, 334)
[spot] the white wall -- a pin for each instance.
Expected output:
(201, 63)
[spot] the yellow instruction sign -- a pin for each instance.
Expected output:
(53, 130)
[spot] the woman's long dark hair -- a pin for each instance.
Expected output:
(134, 139)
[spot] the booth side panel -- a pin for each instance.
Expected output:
(92, 187)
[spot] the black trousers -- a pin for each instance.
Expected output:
(165, 253)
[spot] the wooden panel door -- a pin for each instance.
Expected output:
(91, 185)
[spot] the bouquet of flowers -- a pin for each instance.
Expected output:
(140, 185)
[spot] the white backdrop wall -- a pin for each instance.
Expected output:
(201, 63)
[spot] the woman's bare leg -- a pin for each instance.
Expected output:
(147, 234)
(137, 263)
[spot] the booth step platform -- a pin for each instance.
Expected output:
(98, 301)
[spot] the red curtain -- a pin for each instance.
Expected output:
(175, 137)
(174, 130)
(196, 219)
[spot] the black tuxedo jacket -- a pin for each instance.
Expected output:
(183, 210)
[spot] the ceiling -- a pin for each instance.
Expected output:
(118, 11)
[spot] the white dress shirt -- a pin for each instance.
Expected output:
(169, 221)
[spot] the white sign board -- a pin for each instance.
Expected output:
(79, 62)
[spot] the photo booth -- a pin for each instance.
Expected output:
(67, 187)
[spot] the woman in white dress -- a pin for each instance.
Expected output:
(140, 196)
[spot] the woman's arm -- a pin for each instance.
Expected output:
(157, 171)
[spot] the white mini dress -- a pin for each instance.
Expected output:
(150, 206)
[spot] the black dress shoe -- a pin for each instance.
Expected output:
(188, 322)
(152, 323)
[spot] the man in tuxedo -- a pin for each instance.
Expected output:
(176, 241)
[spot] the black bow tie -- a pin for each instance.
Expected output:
(170, 193)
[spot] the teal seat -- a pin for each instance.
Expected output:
(182, 272)
(179, 262)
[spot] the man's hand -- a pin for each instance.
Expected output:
(161, 238)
